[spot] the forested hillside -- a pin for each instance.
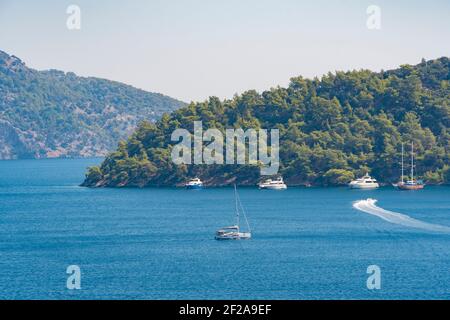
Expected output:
(331, 130)
(56, 114)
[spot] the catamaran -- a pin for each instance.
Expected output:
(411, 184)
(234, 232)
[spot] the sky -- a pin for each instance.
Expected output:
(193, 49)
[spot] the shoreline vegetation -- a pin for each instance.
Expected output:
(255, 186)
(332, 130)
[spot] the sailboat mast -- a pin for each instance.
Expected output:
(412, 161)
(403, 166)
(236, 206)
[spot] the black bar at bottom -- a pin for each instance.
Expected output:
(229, 309)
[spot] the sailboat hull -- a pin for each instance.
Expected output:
(234, 236)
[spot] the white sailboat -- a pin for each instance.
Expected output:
(234, 232)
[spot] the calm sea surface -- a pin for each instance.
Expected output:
(159, 243)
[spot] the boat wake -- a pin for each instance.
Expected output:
(369, 206)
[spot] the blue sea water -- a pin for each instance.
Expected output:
(308, 243)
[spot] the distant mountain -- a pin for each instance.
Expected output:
(56, 114)
(331, 130)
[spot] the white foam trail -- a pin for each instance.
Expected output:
(369, 206)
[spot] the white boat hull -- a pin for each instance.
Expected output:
(234, 236)
(364, 186)
(194, 186)
(275, 187)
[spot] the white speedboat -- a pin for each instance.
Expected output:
(366, 182)
(269, 184)
(194, 184)
(234, 232)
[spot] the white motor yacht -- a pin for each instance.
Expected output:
(269, 184)
(366, 182)
(194, 184)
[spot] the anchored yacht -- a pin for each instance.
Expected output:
(366, 182)
(234, 232)
(194, 184)
(411, 184)
(269, 184)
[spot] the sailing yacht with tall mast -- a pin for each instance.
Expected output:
(411, 184)
(234, 232)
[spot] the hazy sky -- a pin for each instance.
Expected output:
(192, 49)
